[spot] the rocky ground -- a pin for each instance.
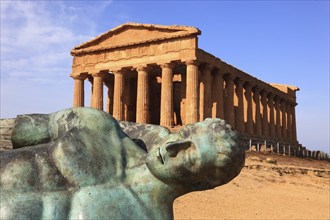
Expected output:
(293, 188)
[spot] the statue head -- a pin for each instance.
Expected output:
(199, 156)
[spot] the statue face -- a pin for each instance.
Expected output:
(195, 157)
(181, 159)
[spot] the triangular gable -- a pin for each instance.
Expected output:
(133, 33)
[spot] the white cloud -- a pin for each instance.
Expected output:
(36, 36)
(36, 39)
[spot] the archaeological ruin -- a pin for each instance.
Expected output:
(157, 74)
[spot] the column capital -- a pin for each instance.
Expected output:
(167, 65)
(229, 77)
(98, 73)
(219, 72)
(79, 77)
(248, 85)
(119, 71)
(207, 67)
(239, 82)
(192, 62)
(143, 68)
(271, 95)
(256, 89)
(264, 92)
(283, 101)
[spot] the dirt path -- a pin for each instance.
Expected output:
(292, 189)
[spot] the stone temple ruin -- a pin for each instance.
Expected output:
(157, 74)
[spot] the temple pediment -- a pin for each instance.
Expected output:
(132, 34)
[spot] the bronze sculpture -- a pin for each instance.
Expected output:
(79, 164)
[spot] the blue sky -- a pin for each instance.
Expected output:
(283, 42)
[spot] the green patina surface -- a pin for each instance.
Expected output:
(79, 164)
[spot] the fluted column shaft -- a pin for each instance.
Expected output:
(271, 115)
(97, 97)
(118, 104)
(78, 92)
(278, 118)
(229, 107)
(289, 121)
(239, 113)
(109, 102)
(217, 95)
(142, 104)
(192, 97)
(248, 113)
(283, 115)
(294, 128)
(166, 105)
(205, 90)
(265, 128)
(257, 116)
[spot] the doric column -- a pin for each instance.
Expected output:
(217, 96)
(97, 97)
(183, 103)
(278, 118)
(248, 113)
(90, 79)
(166, 105)
(78, 91)
(109, 101)
(289, 121)
(238, 101)
(205, 96)
(118, 104)
(192, 97)
(229, 106)
(265, 128)
(294, 128)
(256, 108)
(271, 115)
(283, 116)
(142, 103)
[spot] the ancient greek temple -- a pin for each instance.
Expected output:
(157, 74)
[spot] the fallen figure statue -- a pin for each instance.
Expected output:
(79, 164)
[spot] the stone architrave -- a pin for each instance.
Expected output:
(229, 107)
(217, 95)
(142, 102)
(205, 93)
(239, 113)
(166, 105)
(97, 96)
(192, 97)
(248, 112)
(79, 93)
(118, 105)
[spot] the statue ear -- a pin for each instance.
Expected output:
(85, 158)
(173, 148)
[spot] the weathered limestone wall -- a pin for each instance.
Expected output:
(6, 129)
